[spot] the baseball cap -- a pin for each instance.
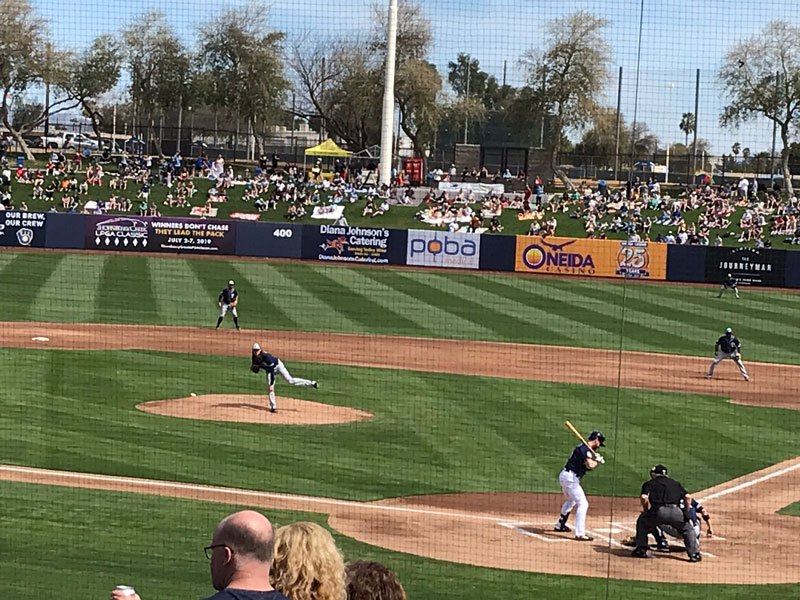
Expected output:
(729, 330)
(658, 470)
(230, 282)
(596, 435)
(256, 347)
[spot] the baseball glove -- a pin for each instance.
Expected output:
(254, 368)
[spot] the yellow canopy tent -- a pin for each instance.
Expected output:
(326, 148)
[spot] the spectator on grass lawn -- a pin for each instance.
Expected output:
(373, 581)
(308, 565)
(241, 553)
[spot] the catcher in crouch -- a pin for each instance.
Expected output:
(264, 360)
(728, 346)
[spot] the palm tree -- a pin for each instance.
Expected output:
(687, 126)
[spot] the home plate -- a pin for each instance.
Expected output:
(40, 339)
(608, 530)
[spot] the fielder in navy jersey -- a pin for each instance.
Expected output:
(729, 347)
(228, 300)
(271, 364)
(583, 458)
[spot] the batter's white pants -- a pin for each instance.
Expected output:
(287, 377)
(722, 356)
(225, 307)
(571, 486)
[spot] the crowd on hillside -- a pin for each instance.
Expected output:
(250, 560)
(689, 216)
(766, 213)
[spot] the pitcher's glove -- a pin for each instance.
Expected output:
(254, 368)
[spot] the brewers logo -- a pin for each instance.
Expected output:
(25, 236)
(633, 259)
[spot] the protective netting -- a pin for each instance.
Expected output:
(420, 409)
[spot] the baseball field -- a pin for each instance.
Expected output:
(130, 426)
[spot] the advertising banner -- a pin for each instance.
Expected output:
(355, 244)
(586, 257)
(751, 266)
(22, 228)
(159, 234)
(443, 249)
(193, 236)
(278, 240)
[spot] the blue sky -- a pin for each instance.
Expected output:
(679, 36)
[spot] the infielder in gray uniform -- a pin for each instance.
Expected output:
(728, 346)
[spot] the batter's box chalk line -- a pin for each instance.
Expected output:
(602, 534)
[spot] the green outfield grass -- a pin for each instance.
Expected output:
(150, 543)
(400, 217)
(792, 509)
(432, 433)
(673, 319)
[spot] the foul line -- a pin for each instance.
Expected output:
(747, 484)
(151, 483)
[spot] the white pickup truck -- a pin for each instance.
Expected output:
(64, 139)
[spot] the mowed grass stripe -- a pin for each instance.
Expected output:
(180, 298)
(124, 292)
(68, 294)
(755, 308)
(257, 307)
(430, 320)
(424, 287)
(21, 279)
(550, 325)
(656, 321)
(348, 301)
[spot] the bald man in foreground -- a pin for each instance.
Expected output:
(241, 557)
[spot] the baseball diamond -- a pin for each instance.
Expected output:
(399, 351)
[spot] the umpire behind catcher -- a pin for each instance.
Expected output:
(665, 502)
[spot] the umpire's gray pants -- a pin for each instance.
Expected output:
(672, 516)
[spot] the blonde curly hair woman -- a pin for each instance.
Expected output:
(308, 565)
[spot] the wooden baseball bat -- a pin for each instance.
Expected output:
(577, 433)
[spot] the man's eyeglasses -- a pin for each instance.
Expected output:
(209, 550)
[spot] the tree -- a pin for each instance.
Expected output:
(417, 82)
(573, 67)
(27, 59)
(96, 72)
(243, 72)
(687, 126)
(340, 83)
(762, 79)
(158, 66)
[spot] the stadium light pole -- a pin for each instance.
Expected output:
(387, 122)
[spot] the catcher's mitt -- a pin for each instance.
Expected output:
(254, 368)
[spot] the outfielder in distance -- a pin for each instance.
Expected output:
(583, 458)
(727, 346)
(264, 360)
(228, 300)
(729, 282)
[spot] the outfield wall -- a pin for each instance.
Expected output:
(379, 245)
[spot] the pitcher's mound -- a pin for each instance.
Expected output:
(242, 408)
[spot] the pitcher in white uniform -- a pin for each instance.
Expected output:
(583, 458)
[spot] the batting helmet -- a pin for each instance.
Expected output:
(596, 435)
